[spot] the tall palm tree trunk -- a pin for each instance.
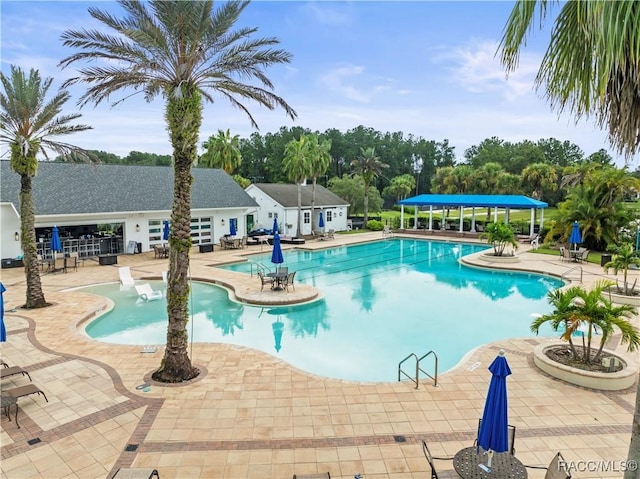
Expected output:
(299, 229)
(35, 295)
(184, 116)
(366, 205)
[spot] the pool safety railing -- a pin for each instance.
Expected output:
(565, 275)
(259, 268)
(419, 370)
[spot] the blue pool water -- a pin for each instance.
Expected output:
(382, 302)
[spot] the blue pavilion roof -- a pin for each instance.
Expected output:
(500, 201)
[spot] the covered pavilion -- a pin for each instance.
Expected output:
(507, 202)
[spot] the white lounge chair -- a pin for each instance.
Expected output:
(145, 292)
(125, 276)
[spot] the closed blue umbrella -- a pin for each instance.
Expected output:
(494, 430)
(576, 237)
(165, 231)
(232, 227)
(56, 245)
(3, 329)
(274, 230)
(321, 220)
(276, 255)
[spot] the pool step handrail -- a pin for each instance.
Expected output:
(419, 370)
(566, 273)
(260, 268)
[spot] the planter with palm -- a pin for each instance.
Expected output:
(182, 52)
(576, 309)
(624, 257)
(500, 235)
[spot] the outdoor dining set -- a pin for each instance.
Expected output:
(493, 453)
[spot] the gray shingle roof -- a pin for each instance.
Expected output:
(287, 195)
(63, 188)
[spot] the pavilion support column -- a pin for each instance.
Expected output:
(473, 219)
(533, 218)
(495, 214)
(461, 219)
(541, 218)
(443, 223)
(415, 218)
(401, 217)
(506, 215)
(430, 217)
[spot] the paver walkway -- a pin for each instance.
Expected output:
(250, 415)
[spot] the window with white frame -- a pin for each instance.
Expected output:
(306, 217)
(329, 216)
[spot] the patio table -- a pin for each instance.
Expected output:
(469, 463)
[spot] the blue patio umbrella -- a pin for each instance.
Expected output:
(274, 230)
(56, 245)
(576, 237)
(3, 329)
(276, 254)
(232, 227)
(165, 231)
(494, 430)
(321, 221)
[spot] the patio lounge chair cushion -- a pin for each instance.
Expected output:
(13, 370)
(136, 473)
(25, 391)
(145, 292)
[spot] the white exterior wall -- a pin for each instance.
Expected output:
(10, 225)
(288, 217)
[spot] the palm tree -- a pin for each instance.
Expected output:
(29, 124)
(624, 257)
(540, 177)
(592, 64)
(181, 51)
(369, 166)
(223, 151)
(319, 162)
(577, 307)
(296, 166)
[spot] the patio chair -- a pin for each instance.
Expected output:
(60, 264)
(145, 292)
(125, 276)
(136, 473)
(585, 256)
(156, 251)
(511, 438)
(12, 371)
(24, 391)
(330, 234)
(243, 242)
(265, 280)
(71, 263)
(557, 468)
(427, 454)
(387, 231)
(565, 254)
(289, 281)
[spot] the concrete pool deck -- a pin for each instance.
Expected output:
(250, 415)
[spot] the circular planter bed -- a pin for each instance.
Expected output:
(622, 299)
(607, 381)
(491, 258)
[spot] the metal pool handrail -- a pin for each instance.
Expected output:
(419, 370)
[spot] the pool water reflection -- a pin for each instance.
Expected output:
(382, 301)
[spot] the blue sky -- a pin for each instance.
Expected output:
(422, 68)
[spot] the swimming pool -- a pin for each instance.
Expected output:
(383, 301)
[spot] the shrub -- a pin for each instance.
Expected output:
(375, 225)
(500, 235)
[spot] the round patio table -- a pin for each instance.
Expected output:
(5, 403)
(469, 463)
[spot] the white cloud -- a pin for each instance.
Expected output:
(327, 14)
(349, 81)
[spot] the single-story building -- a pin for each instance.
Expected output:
(280, 200)
(105, 208)
(507, 202)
